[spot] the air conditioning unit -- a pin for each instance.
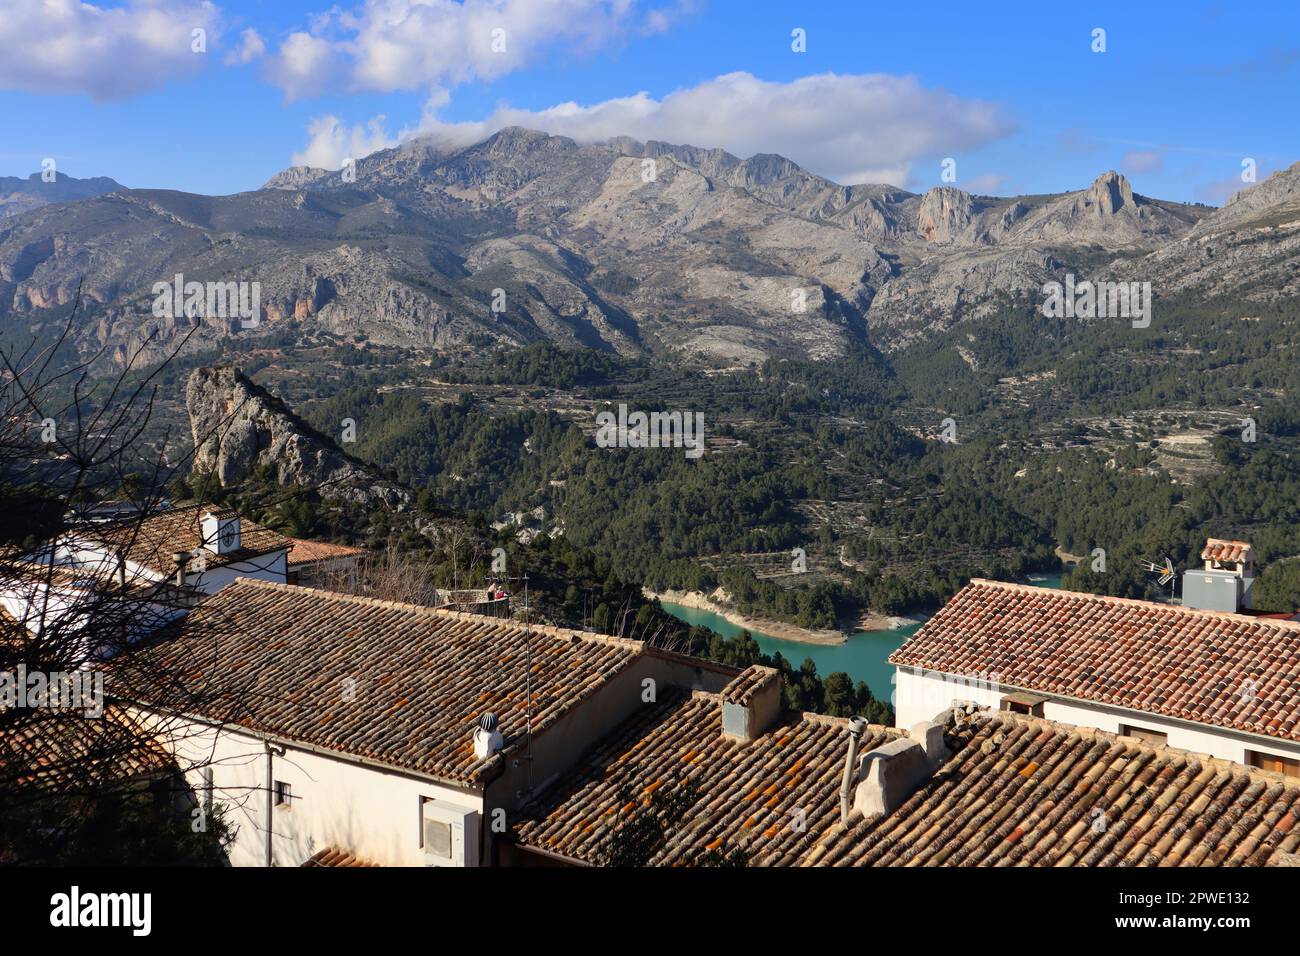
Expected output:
(450, 834)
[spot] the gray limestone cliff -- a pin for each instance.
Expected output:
(239, 427)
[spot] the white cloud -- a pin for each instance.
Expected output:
(1143, 161)
(330, 142)
(64, 46)
(858, 128)
(305, 65)
(662, 19)
(388, 45)
(251, 46)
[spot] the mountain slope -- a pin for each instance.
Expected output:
(1250, 248)
(19, 195)
(627, 247)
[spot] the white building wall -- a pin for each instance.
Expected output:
(266, 567)
(919, 697)
(366, 811)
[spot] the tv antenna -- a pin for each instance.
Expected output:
(1165, 574)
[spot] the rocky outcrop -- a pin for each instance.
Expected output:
(944, 213)
(1108, 194)
(1107, 215)
(1272, 202)
(240, 428)
(295, 177)
(1246, 250)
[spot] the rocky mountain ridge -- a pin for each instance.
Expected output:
(635, 248)
(19, 195)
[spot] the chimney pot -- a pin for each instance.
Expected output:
(180, 559)
(856, 726)
(487, 740)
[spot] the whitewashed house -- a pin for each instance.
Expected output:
(339, 729)
(199, 546)
(143, 572)
(1207, 681)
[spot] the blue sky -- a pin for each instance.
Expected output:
(1012, 91)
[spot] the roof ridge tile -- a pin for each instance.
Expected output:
(342, 597)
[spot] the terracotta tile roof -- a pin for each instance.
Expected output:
(152, 541)
(24, 578)
(68, 752)
(769, 797)
(1217, 549)
(333, 856)
(1026, 792)
(397, 683)
(1210, 667)
(305, 552)
(1017, 791)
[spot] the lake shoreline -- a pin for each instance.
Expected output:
(764, 625)
(864, 656)
(874, 621)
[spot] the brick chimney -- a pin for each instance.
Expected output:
(751, 703)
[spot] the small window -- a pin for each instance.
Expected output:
(1284, 765)
(1144, 735)
(283, 794)
(207, 789)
